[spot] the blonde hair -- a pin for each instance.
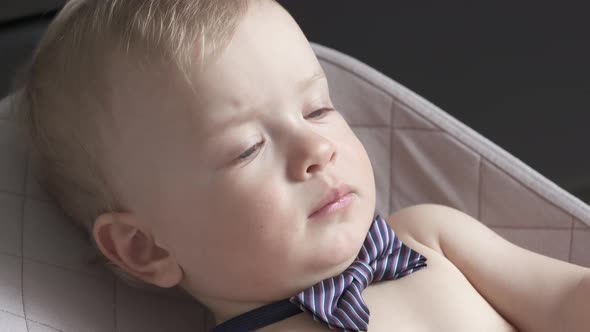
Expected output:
(65, 89)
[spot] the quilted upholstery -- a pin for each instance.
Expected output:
(419, 154)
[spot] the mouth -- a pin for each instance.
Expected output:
(334, 200)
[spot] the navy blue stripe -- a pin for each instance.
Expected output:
(259, 317)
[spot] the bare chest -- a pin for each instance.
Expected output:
(438, 298)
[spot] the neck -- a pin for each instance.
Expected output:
(224, 309)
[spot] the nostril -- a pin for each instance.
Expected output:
(333, 157)
(313, 168)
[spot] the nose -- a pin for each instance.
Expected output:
(310, 154)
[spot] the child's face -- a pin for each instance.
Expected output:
(228, 185)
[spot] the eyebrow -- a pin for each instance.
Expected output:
(309, 81)
(251, 114)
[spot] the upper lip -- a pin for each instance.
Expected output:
(330, 196)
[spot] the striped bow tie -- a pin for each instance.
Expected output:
(337, 301)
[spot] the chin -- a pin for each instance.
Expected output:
(341, 248)
(348, 249)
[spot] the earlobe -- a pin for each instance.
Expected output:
(121, 239)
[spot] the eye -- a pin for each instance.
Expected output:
(248, 153)
(319, 113)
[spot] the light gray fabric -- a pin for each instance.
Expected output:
(419, 153)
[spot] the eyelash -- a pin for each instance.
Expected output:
(246, 154)
(254, 148)
(323, 110)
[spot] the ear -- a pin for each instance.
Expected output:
(121, 239)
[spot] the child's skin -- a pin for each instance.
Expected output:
(221, 183)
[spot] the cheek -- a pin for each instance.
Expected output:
(252, 210)
(359, 163)
(244, 223)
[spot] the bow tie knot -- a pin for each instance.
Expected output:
(362, 272)
(337, 301)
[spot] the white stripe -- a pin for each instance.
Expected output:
(383, 267)
(396, 261)
(312, 300)
(373, 247)
(332, 295)
(323, 300)
(388, 234)
(365, 252)
(379, 237)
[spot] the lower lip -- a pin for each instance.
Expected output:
(334, 207)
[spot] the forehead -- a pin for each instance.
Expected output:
(266, 60)
(262, 66)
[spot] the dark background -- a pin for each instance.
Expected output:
(518, 72)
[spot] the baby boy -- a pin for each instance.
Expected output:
(197, 143)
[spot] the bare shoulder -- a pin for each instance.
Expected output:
(479, 253)
(424, 223)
